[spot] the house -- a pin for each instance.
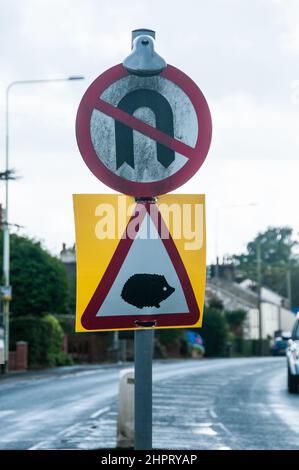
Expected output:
(275, 311)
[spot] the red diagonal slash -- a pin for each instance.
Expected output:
(146, 129)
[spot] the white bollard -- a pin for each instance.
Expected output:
(125, 418)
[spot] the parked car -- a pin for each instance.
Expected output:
(280, 343)
(292, 353)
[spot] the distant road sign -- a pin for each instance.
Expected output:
(152, 273)
(143, 136)
(6, 292)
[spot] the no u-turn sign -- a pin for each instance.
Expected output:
(143, 136)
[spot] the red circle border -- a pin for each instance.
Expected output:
(146, 189)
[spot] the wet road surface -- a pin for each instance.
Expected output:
(197, 404)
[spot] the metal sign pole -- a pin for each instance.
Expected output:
(143, 345)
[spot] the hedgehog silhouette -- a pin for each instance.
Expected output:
(146, 290)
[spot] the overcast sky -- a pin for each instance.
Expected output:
(243, 54)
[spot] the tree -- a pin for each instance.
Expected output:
(71, 276)
(277, 251)
(235, 321)
(214, 332)
(216, 303)
(38, 279)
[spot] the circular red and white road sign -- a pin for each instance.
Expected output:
(143, 136)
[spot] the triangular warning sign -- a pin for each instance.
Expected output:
(146, 280)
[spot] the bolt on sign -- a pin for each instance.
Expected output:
(139, 263)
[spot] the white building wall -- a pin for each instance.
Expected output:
(270, 319)
(251, 330)
(274, 317)
(287, 319)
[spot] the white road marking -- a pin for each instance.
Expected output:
(69, 431)
(213, 413)
(39, 445)
(221, 425)
(78, 374)
(206, 431)
(6, 413)
(100, 412)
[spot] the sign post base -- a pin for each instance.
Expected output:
(143, 354)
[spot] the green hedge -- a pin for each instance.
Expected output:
(249, 347)
(168, 336)
(44, 336)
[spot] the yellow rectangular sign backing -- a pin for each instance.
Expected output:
(139, 264)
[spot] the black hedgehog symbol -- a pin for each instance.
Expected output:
(146, 290)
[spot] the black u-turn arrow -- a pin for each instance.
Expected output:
(164, 122)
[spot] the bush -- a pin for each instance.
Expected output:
(53, 337)
(63, 359)
(44, 336)
(169, 336)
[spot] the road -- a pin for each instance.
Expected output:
(206, 404)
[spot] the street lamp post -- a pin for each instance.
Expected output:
(259, 293)
(6, 295)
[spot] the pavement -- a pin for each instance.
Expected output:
(197, 404)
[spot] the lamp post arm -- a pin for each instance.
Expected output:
(6, 225)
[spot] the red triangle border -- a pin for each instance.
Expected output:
(89, 319)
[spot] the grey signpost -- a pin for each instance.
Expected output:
(143, 342)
